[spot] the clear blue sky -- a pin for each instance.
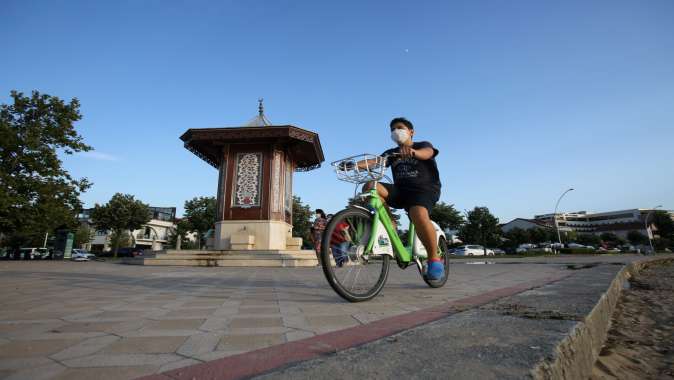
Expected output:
(522, 98)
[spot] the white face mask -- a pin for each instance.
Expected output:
(400, 136)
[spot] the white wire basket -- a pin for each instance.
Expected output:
(361, 168)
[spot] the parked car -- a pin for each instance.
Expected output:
(82, 253)
(35, 253)
(123, 252)
(469, 250)
(525, 247)
(498, 251)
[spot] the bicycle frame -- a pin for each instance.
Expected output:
(403, 253)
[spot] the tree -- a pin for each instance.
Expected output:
(588, 239)
(569, 236)
(446, 216)
(121, 213)
(37, 195)
(301, 220)
(515, 237)
(481, 227)
(611, 239)
(120, 239)
(542, 235)
(637, 238)
(182, 230)
(660, 244)
(83, 235)
(200, 216)
(664, 224)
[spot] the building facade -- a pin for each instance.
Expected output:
(154, 235)
(619, 222)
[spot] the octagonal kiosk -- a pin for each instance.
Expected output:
(255, 163)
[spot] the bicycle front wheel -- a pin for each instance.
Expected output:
(354, 274)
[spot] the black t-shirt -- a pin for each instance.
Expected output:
(413, 174)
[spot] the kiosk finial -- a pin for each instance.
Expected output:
(260, 107)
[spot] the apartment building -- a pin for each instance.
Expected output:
(153, 235)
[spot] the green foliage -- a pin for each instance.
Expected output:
(611, 239)
(121, 213)
(446, 216)
(515, 237)
(120, 239)
(37, 194)
(83, 235)
(579, 251)
(588, 239)
(568, 236)
(481, 228)
(637, 238)
(664, 224)
(182, 230)
(200, 216)
(660, 244)
(301, 220)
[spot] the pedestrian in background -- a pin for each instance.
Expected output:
(317, 228)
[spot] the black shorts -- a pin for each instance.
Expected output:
(405, 198)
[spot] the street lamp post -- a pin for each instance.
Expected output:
(648, 228)
(559, 236)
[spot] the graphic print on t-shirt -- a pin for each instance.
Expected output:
(411, 173)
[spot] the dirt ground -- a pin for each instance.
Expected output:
(640, 343)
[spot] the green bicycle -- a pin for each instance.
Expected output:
(359, 242)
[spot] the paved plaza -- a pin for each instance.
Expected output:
(86, 320)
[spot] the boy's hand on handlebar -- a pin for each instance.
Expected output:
(347, 165)
(406, 151)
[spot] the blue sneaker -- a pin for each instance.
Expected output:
(436, 270)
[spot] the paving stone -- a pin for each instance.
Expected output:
(297, 335)
(258, 310)
(189, 313)
(215, 324)
(332, 320)
(249, 342)
(147, 345)
(106, 373)
(86, 347)
(255, 322)
(122, 360)
(107, 327)
(175, 324)
(58, 336)
(30, 348)
(22, 363)
(178, 364)
(200, 343)
(44, 372)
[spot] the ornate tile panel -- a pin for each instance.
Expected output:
(247, 188)
(276, 196)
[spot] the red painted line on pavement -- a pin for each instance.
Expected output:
(256, 362)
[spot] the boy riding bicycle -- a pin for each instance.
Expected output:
(416, 187)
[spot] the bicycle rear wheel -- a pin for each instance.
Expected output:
(354, 274)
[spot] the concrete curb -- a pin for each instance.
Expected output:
(575, 356)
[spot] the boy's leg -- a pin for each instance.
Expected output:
(425, 230)
(384, 194)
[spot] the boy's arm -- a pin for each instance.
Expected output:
(425, 152)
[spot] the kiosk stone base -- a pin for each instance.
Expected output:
(230, 258)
